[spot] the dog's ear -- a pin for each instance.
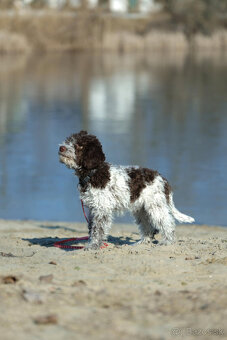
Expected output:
(82, 133)
(93, 155)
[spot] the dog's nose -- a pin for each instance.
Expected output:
(62, 149)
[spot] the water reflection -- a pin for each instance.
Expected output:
(164, 112)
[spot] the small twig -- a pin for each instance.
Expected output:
(12, 255)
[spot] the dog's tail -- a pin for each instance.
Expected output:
(177, 214)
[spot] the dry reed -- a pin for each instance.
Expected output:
(166, 41)
(215, 42)
(13, 43)
(56, 31)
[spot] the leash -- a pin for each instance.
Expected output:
(82, 204)
(60, 244)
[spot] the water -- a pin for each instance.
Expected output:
(164, 112)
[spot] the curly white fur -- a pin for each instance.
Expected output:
(152, 211)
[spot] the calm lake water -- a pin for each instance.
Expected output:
(164, 112)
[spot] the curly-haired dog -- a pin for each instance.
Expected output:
(106, 189)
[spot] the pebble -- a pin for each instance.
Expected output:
(46, 278)
(50, 319)
(79, 283)
(33, 296)
(53, 262)
(10, 279)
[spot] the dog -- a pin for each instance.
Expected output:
(107, 189)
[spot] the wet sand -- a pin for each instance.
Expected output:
(120, 292)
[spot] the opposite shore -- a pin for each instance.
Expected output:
(44, 31)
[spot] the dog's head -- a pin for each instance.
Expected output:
(81, 151)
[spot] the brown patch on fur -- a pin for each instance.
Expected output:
(167, 189)
(138, 179)
(90, 156)
(99, 179)
(88, 150)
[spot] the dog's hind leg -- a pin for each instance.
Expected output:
(161, 218)
(146, 228)
(163, 222)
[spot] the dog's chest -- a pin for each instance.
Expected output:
(114, 197)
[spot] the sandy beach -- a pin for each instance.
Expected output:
(120, 292)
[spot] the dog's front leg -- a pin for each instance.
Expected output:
(90, 223)
(98, 227)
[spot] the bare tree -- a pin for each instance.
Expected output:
(195, 16)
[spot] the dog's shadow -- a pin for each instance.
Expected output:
(57, 227)
(49, 241)
(121, 240)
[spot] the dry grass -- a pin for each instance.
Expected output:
(161, 41)
(166, 41)
(154, 41)
(217, 41)
(57, 31)
(122, 42)
(13, 43)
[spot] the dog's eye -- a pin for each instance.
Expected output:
(78, 147)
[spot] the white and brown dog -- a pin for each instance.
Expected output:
(106, 189)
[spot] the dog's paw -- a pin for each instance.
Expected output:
(144, 240)
(91, 246)
(165, 243)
